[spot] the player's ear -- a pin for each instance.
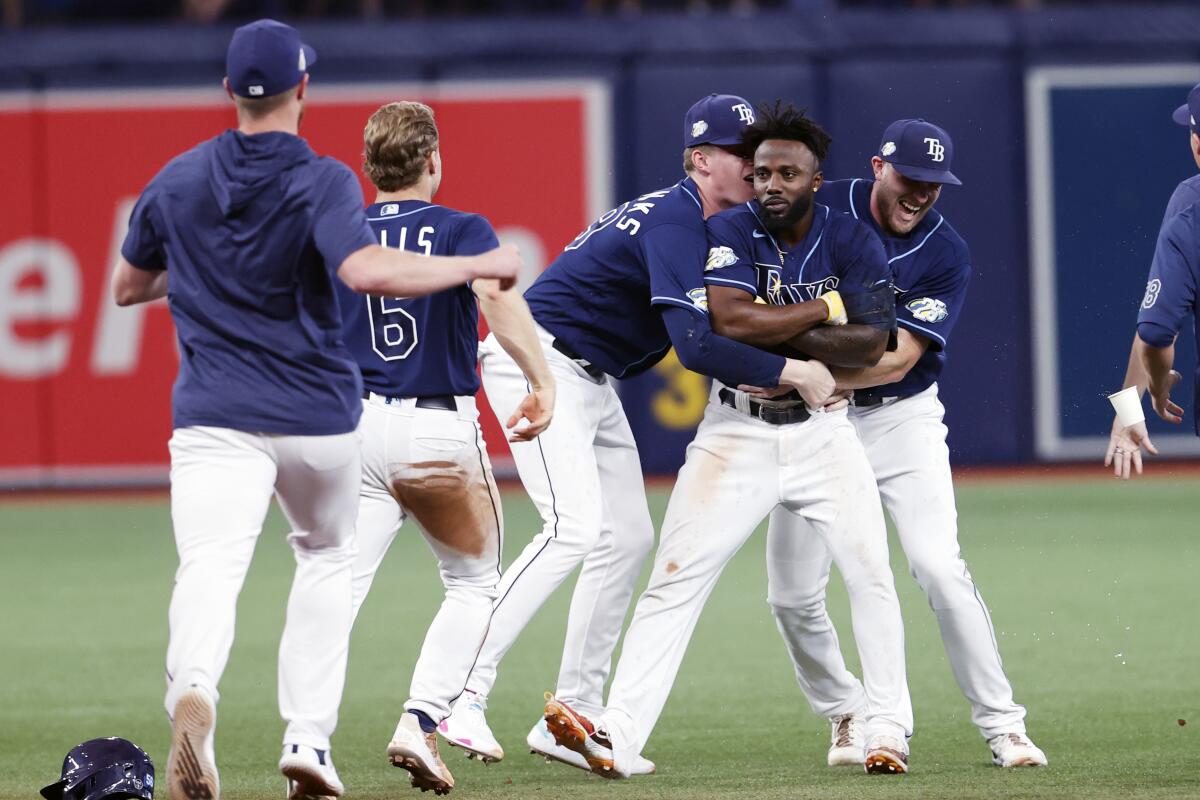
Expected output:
(818, 179)
(435, 162)
(877, 167)
(229, 91)
(302, 88)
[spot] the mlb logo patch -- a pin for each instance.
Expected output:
(390, 210)
(719, 257)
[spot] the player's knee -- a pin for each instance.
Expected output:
(796, 603)
(945, 581)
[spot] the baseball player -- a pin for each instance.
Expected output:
(899, 419)
(251, 227)
(611, 306)
(423, 450)
(753, 455)
(1125, 445)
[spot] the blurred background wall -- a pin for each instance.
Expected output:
(553, 111)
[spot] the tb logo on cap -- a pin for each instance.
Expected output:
(937, 151)
(745, 113)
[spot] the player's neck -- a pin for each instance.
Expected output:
(795, 234)
(411, 193)
(283, 121)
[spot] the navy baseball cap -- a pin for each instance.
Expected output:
(717, 119)
(265, 58)
(919, 150)
(1189, 112)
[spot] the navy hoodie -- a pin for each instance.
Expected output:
(252, 230)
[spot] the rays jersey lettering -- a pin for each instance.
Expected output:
(931, 268)
(602, 295)
(837, 253)
(418, 346)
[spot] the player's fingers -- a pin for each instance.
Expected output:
(1136, 457)
(1173, 378)
(1149, 445)
(1125, 459)
(516, 417)
(1108, 454)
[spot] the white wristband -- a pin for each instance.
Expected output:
(1128, 406)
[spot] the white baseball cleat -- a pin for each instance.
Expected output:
(310, 773)
(541, 743)
(192, 764)
(886, 755)
(847, 746)
(576, 732)
(1016, 750)
(416, 751)
(467, 727)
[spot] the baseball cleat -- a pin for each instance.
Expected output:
(541, 743)
(192, 764)
(847, 746)
(416, 751)
(576, 732)
(467, 727)
(1016, 750)
(310, 773)
(886, 755)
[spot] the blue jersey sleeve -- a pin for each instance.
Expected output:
(1174, 275)
(1187, 193)
(340, 224)
(931, 306)
(474, 236)
(674, 257)
(860, 261)
(143, 246)
(730, 260)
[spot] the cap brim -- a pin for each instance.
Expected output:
(1182, 115)
(55, 790)
(926, 174)
(310, 55)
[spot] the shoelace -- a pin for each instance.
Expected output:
(1016, 738)
(843, 732)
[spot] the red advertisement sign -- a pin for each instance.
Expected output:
(84, 385)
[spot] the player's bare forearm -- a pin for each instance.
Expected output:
(843, 346)
(390, 272)
(131, 285)
(508, 317)
(1156, 362)
(735, 315)
(892, 366)
(1135, 372)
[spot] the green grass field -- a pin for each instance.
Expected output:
(1093, 587)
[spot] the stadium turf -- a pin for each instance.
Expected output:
(1092, 585)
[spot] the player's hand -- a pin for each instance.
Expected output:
(811, 378)
(838, 400)
(1125, 448)
(1161, 399)
(503, 263)
(538, 409)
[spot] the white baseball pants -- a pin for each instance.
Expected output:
(738, 469)
(432, 465)
(221, 485)
(585, 478)
(905, 441)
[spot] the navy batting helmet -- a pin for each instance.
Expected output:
(104, 768)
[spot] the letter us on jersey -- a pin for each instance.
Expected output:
(85, 386)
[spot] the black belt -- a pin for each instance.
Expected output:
(439, 402)
(876, 400)
(591, 369)
(772, 415)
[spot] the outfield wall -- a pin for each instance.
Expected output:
(1060, 119)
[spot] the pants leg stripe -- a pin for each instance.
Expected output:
(495, 511)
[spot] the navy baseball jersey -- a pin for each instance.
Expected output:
(1172, 286)
(419, 346)
(931, 268)
(1185, 194)
(252, 230)
(836, 253)
(599, 296)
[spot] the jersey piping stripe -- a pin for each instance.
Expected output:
(922, 244)
(654, 356)
(689, 194)
(816, 244)
(761, 224)
(729, 282)
(853, 210)
(398, 216)
(673, 301)
(925, 331)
